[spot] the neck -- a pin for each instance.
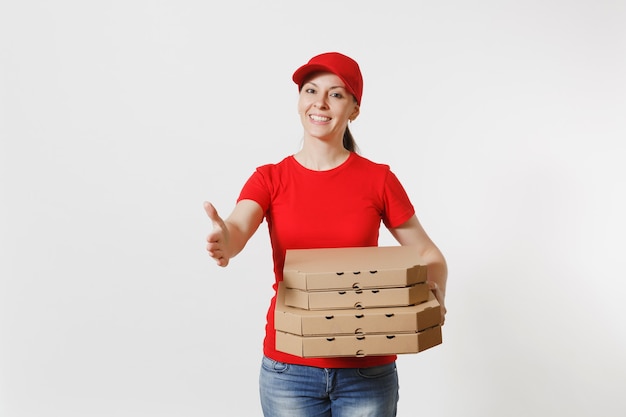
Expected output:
(321, 156)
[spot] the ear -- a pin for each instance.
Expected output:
(355, 113)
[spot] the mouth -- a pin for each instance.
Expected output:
(317, 118)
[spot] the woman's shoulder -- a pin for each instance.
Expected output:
(273, 169)
(369, 163)
(286, 161)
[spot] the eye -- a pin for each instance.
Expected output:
(336, 95)
(310, 90)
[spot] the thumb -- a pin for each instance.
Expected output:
(212, 213)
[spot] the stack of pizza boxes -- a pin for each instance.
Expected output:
(355, 302)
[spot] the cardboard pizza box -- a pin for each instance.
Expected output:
(358, 345)
(356, 268)
(355, 321)
(357, 299)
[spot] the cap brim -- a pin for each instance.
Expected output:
(307, 69)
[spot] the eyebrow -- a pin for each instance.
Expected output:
(333, 87)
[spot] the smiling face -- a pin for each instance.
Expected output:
(325, 107)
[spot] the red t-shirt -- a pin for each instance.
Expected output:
(341, 207)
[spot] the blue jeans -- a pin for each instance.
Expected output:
(303, 391)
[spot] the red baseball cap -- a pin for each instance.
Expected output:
(341, 65)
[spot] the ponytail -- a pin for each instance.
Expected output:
(349, 142)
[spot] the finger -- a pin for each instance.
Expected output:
(216, 253)
(215, 236)
(211, 211)
(220, 260)
(442, 317)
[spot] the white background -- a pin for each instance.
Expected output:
(504, 120)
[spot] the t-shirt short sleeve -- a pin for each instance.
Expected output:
(398, 206)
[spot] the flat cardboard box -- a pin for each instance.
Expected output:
(352, 321)
(357, 299)
(358, 345)
(359, 267)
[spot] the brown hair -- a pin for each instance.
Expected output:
(348, 141)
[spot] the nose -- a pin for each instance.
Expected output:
(320, 102)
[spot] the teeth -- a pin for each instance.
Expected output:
(320, 118)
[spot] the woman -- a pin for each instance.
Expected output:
(326, 195)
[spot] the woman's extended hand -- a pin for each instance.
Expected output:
(218, 239)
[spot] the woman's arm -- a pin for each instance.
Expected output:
(411, 233)
(230, 236)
